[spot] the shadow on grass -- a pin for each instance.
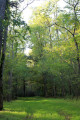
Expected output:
(37, 108)
(10, 115)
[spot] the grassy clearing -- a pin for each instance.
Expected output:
(41, 109)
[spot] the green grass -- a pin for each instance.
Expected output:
(37, 108)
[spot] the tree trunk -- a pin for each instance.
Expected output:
(24, 88)
(54, 88)
(10, 82)
(2, 48)
(45, 88)
(1, 89)
(9, 97)
(1, 68)
(2, 15)
(44, 74)
(63, 91)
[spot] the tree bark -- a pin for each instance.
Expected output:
(2, 48)
(2, 15)
(24, 88)
(1, 68)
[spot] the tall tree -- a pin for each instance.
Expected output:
(3, 34)
(72, 19)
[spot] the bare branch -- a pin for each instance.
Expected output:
(21, 1)
(73, 5)
(62, 27)
(76, 4)
(13, 4)
(27, 5)
(68, 3)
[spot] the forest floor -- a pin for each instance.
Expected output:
(36, 108)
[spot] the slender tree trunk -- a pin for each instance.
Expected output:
(9, 97)
(45, 88)
(10, 82)
(50, 38)
(24, 88)
(54, 90)
(77, 48)
(15, 90)
(44, 84)
(74, 34)
(1, 69)
(70, 90)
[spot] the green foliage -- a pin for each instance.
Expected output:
(52, 69)
(54, 51)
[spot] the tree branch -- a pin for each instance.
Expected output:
(76, 4)
(73, 5)
(27, 5)
(62, 27)
(68, 3)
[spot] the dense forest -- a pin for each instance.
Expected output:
(52, 68)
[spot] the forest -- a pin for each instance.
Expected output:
(51, 70)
